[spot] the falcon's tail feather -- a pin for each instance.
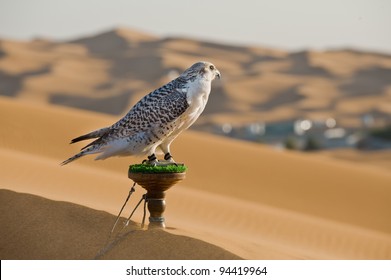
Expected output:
(90, 150)
(72, 158)
(91, 135)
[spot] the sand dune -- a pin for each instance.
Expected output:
(253, 201)
(238, 200)
(379, 159)
(60, 230)
(108, 71)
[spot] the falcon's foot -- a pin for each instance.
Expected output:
(152, 160)
(168, 159)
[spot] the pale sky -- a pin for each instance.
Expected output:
(289, 24)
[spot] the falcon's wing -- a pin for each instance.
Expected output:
(154, 110)
(158, 108)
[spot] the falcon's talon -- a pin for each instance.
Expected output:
(166, 163)
(151, 163)
(152, 160)
(169, 159)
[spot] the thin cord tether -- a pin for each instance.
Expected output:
(131, 191)
(134, 210)
(145, 210)
(126, 223)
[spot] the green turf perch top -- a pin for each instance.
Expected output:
(148, 169)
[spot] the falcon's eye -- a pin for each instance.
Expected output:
(211, 67)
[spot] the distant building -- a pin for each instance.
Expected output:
(301, 134)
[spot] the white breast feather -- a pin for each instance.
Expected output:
(197, 97)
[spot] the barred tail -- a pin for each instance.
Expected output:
(90, 150)
(72, 158)
(91, 135)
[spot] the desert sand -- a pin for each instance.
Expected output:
(61, 230)
(239, 200)
(109, 71)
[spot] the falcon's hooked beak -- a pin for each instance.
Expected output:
(218, 75)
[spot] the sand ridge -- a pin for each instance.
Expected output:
(280, 206)
(107, 72)
(49, 229)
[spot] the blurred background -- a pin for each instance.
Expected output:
(300, 165)
(303, 75)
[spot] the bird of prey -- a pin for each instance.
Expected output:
(156, 120)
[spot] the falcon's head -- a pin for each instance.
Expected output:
(204, 69)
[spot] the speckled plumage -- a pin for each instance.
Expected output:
(157, 119)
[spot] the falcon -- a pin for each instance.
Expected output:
(156, 120)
